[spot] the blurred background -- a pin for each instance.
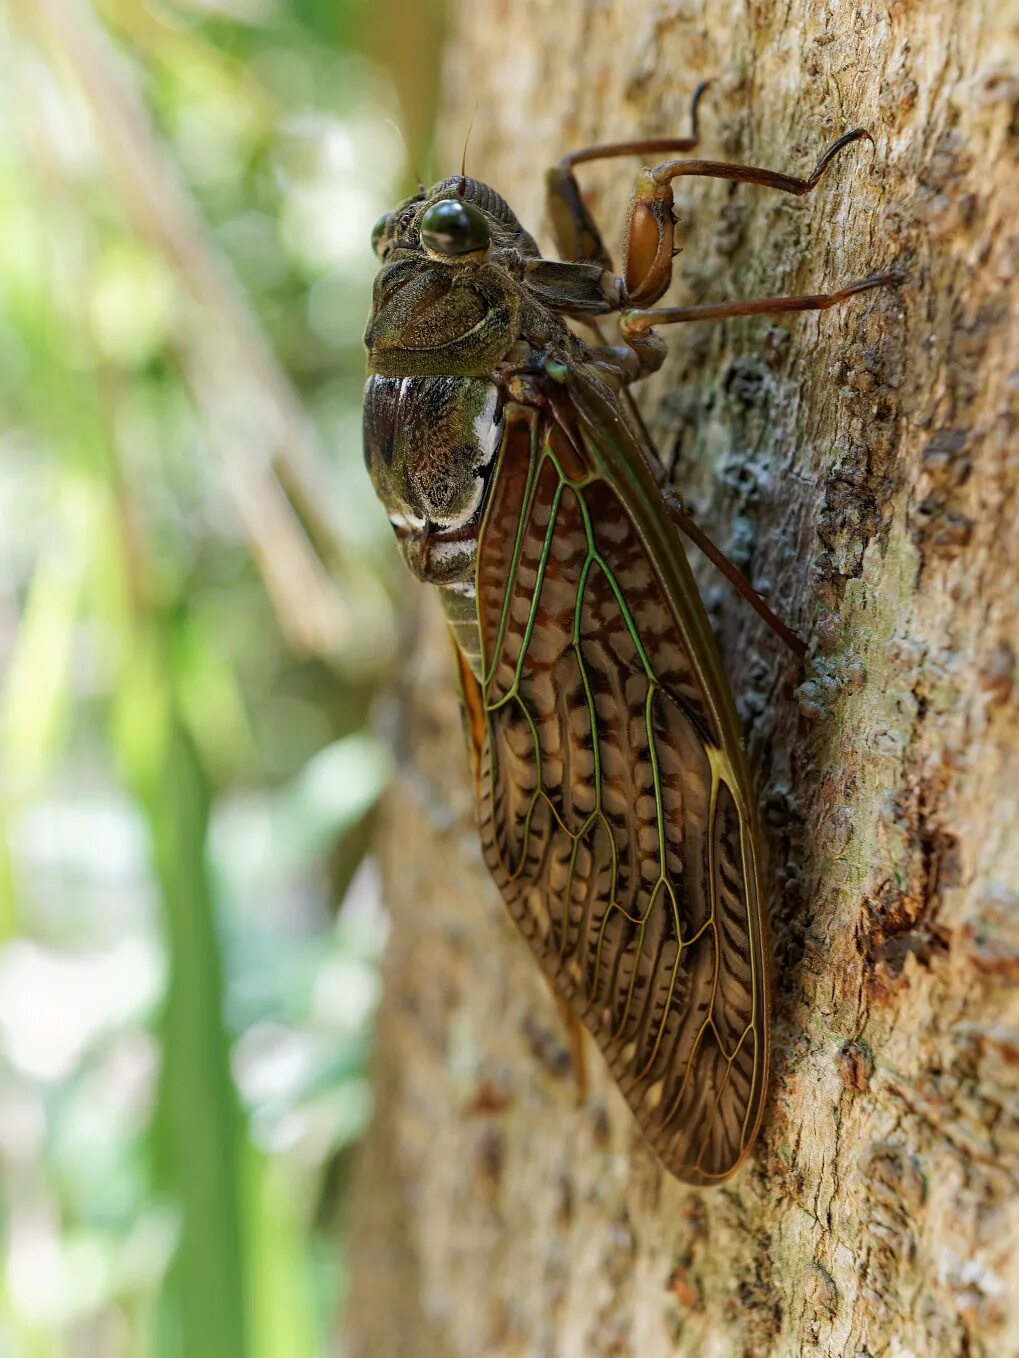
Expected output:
(198, 610)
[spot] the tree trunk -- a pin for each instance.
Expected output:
(862, 467)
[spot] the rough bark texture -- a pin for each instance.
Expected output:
(862, 466)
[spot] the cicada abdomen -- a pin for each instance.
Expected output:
(431, 443)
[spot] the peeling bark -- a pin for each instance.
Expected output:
(862, 466)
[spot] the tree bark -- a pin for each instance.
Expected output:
(862, 467)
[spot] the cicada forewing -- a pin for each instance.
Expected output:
(613, 798)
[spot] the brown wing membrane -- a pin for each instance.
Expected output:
(613, 800)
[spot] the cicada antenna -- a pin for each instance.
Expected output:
(461, 188)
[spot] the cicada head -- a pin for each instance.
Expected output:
(473, 217)
(442, 305)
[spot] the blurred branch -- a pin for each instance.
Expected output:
(287, 472)
(293, 575)
(407, 40)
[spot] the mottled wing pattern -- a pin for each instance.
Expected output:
(612, 795)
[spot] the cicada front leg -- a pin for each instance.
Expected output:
(579, 242)
(576, 233)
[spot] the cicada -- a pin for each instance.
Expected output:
(614, 803)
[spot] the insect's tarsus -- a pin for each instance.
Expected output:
(847, 138)
(695, 108)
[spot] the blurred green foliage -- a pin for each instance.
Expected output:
(195, 617)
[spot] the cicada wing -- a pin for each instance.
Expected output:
(613, 800)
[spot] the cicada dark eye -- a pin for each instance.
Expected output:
(453, 227)
(378, 231)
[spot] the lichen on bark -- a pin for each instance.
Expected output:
(862, 467)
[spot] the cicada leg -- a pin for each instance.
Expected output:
(647, 273)
(680, 516)
(649, 236)
(636, 328)
(648, 242)
(576, 233)
(635, 323)
(579, 240)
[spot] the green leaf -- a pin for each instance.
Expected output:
(36, 696)
(199, 1129)
(283, 1320)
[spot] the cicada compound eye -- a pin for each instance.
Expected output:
(453, 227)
(378, 232)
